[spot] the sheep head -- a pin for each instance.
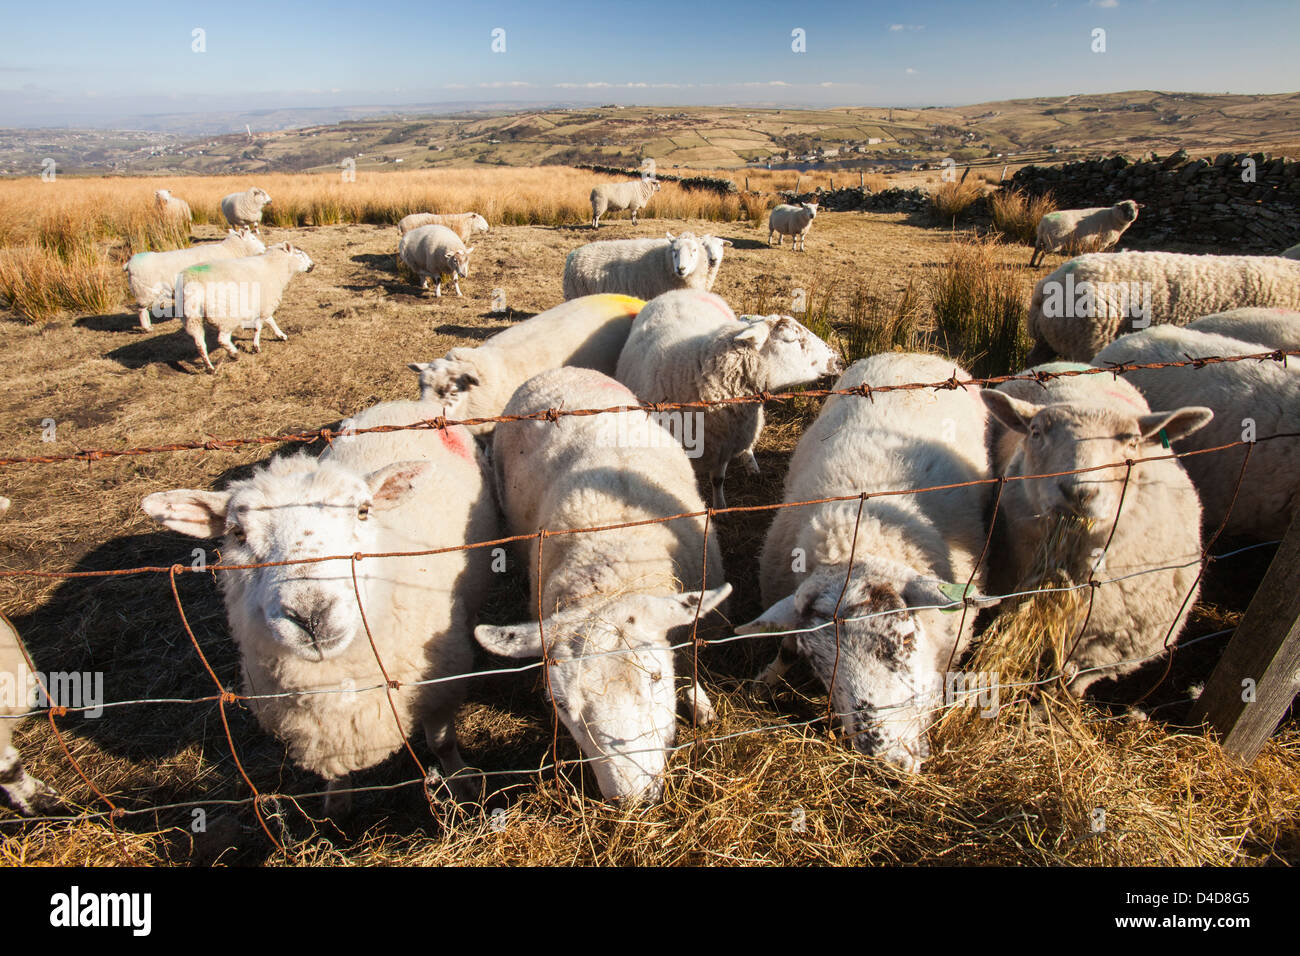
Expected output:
(788, 352)
(612, 681)
(1071, 437)
(446, 380)
(295, 508)
(686, 252)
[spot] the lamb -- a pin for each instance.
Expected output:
(172, 207)
(28, 795)
(613, 603)
(1092, 230)
(1092, 299)
(1249, 399)
(245, 209)
(640, 267)
(225, 295)
(714, 247)
(463, 224)
(477, 382)
(913, 558)
(432, 252)
(1273, 328)
(786, 220)
(152, 275)
(634, 195)
(299, 628)
(1148, 568)
(688, 346)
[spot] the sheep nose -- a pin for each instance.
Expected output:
(1078, 496)
(309, 618)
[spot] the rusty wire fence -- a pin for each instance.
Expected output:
(936, 705)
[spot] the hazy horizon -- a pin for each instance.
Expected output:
(147, 61)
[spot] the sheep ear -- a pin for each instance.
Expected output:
(727, 242)
(199, 514)
(390, 485)
(755, 335)
(680, 608)
(669, 235)
(510, 640)
(418, 367)
(1011, 412)
(469, 250)
(1176, 424)
(784, 615)
(932, 592)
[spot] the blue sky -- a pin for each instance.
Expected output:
(83, 59)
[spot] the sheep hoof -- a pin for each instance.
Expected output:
(751, 463)
(455, 789)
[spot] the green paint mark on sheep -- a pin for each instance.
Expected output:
(202, 268)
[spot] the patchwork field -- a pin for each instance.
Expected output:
(1021, 793)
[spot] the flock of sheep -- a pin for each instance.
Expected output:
(863, 590)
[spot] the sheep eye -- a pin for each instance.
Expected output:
(363, 512)
(236, 532)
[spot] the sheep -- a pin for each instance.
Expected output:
(612, 603)
(640, 267)
(688, 346)
(1249, 399)
(225, 295)
(477, 382)
(1146, 561)
(463, 224)
(299, 628)
(28, 795)
(245, 209)
(634, 195)
(1092, 299)
(152, 275)
(1094, 230)
(786, 220)
(913, 558)
(172, 207)
(1274, 328)
(432, 252)
(714, 247)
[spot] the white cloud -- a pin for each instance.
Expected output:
(898, 27)
(1107, 4)
(909, 71)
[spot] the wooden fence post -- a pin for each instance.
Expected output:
(1259, 673)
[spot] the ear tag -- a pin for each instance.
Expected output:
(955, 593)
(1164, 439)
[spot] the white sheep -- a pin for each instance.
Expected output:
(477, 382)
(1083, 230)
(463, 224)
(634, 195)
(786, 220)
(1090, 300)
(152, 275)
(299, 627)
(914, 554)
(644, 268)
(432, 252)
(714, 248)
(1250, 400)
(1148, 571)
(612, 603)
(172, 207)
(688, 346)
(25, 793)
(245, 209)
(1272, 328)
(227, 294)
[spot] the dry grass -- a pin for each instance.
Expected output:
(1016, 216)
(979, 305)
(1019, 792)
(952, 199)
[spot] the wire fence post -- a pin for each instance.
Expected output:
(1259, 673)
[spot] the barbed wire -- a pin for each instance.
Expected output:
(441, 422)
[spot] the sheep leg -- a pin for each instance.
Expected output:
(200, 339)
(786, 655)
(144, 320)
(440, 734)
(1038, 248)
(225, 341)
(694, 698)
(338, 804)
(257, 336)
(749, 462)
(716, 478)
(270, 320)
(26, 793)
(455, 281)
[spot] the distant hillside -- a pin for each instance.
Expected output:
(697, 137)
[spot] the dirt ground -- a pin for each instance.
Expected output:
(353, 324)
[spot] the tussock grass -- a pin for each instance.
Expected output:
(1016, 215)
(40, 285)
(978, 307)
(951, 200)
